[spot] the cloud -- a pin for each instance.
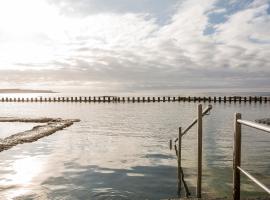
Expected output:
(133, 51)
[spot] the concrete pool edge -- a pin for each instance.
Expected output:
(37, 132)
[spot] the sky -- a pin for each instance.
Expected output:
(135, 45)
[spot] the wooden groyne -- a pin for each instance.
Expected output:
(117, 99)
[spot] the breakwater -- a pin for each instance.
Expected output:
(116, 99)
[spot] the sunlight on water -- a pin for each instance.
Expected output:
(120, 151)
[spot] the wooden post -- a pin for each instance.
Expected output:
(236, 157)
(154, 99)
(164, 99)
(224, 99)
(179, 161)
(158, 99)
(199, 170)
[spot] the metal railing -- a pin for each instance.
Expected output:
(237, 170)
(178, 149)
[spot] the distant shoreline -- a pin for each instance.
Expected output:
(5, 91)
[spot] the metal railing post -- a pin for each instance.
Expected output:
(199, 169)
(179, 161)
(236, 157)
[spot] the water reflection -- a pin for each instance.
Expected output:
(121, 151)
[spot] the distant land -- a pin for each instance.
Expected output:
(25, 91)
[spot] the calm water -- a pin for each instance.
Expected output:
(120, 151)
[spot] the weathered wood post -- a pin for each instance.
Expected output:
(209, 99)
(154, 99)
(260, 99)
(179, 161)
(158, 99)
(148, 99)
(245, 99)
(224, 99)
(178, 98)
(143, 99)
(236, 157)
(199, 169)
(164, 99)
(188, 98)
(265, 99)
(219, 99)
(184, 98)
(138, 99)
(133, 99)
(128, 99)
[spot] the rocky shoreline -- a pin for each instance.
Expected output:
(52, 125)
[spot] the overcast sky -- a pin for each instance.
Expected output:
(135, 45)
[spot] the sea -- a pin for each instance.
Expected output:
(121, 150)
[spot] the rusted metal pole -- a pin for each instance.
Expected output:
(199, 169)
(236, 157)
(179, 161)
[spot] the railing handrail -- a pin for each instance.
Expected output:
(204, 112)
(237, 155)
(178, 147)
(260, 184)
(254, 125)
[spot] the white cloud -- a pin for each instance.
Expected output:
(134, 51)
